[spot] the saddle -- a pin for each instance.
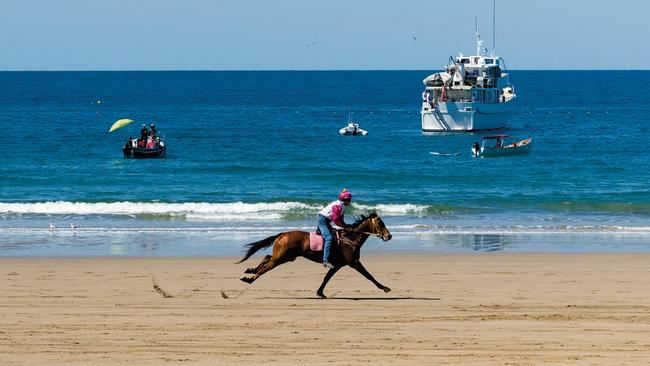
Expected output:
(316, 240)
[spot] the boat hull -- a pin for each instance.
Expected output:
(143, 153)
(491, 152)
(359, 132)
(465, 116)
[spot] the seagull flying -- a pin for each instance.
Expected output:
(311, 44)
(415, 38)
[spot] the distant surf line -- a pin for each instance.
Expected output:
(413, 229)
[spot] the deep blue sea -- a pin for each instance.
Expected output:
(254, 153)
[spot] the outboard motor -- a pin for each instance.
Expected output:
(476, 148)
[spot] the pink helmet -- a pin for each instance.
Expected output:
(345, 195)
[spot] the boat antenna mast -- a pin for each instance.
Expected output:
(494, 27)
(479, 43)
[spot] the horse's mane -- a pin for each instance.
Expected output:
(358, 220)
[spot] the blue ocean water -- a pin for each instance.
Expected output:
(251, 153)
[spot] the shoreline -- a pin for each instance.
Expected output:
(450, 309)
(378, 254)
(222, 244)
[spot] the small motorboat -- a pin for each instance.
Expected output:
(352, 129)
(501, 146)
(152, 150)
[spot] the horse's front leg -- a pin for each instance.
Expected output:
(327, 278)
(361, 269)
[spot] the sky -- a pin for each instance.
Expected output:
(318, 35)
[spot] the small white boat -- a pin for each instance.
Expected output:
(352, 129)
(501, 147)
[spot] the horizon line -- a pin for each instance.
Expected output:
(276, 70)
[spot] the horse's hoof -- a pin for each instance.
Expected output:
(321, 295)
(386, 289)
(246, 279)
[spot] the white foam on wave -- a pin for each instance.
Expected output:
(198, 211)
(191, 210)
(519, 229)
(256, 216)
(396, 230)
(391, 209)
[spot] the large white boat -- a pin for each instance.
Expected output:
(473, 93)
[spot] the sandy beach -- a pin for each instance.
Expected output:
(456, 309)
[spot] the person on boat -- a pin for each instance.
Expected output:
(129, 144)
(153, 130)
(144, 133)
(425, 96)
(332, 213)
(141, 143)
(150, 143)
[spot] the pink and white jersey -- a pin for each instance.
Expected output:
(334, 211)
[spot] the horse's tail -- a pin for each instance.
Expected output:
(254, 247)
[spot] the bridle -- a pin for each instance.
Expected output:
(373, 222)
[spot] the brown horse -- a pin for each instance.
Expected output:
(290, 245)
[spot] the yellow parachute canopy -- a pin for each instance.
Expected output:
(120, 123)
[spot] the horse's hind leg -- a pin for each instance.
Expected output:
(257, 269)
(265, 267)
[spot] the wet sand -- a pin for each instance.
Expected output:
(460, 309)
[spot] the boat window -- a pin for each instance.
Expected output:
(489, 61)
(464, 60)
(476, 60)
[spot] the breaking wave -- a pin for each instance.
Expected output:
(201, 211)
(399, 229)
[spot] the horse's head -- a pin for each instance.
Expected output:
(375, 226)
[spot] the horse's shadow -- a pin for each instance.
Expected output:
(356, 298)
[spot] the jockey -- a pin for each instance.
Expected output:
(332, 213)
